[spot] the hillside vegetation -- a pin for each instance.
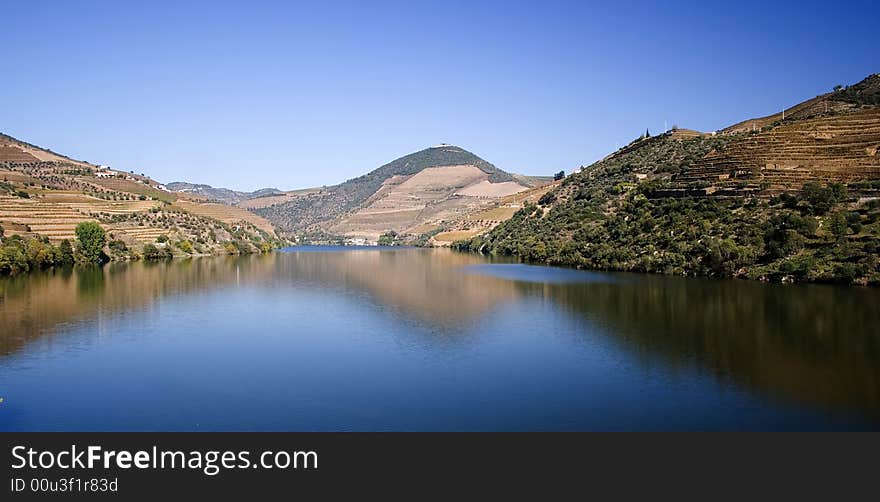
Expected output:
(794, 200)
(45, 197)
(318, 211)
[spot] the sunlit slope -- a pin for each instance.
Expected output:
(417, 191)
(43, 193)
(793, 199)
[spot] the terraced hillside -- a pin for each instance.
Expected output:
(476, 222)
(46, 195)
(412, 195)
(793, 199)
(842, 147)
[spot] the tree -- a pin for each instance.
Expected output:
(13, 259)
(558, 176)
(65, 253)
(388, 238)
(837, 225)
(90, 240)
(822, 199)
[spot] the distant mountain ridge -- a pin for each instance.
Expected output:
(225, 195)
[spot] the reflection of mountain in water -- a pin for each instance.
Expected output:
(430, 285)
(812, 344)
(426, 285)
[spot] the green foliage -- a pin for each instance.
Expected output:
(185, 246)
(22, 254)
(388, 238)
(13, 258)
(153, 253)
(595, 224)
(65, 254)
(90, 240)
(547, 198)
(838, 225)
(864, 93)
(118, 246)
(822, 199)
(786, 233)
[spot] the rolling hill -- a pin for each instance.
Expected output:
(411, 196)
(793, 198)
(44, 195)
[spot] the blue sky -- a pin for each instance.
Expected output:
(289, 94)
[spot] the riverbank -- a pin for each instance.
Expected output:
(818, 235)
(22, 254)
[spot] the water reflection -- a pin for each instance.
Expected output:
(815, 346)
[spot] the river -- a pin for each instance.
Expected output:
(428, 339)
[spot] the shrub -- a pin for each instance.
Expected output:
(153, 253)
(185, 246)
(118, 246)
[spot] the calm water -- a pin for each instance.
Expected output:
(412, 339)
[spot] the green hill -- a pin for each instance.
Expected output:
(790, 200)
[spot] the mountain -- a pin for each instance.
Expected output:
(223, 195)
(793, 198)
(414, 195)
(44, 195)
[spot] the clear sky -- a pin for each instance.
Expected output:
(288, 94)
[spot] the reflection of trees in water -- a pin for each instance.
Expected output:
(89, 281)
(815, 344)
(423, 285)
(32, 305)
